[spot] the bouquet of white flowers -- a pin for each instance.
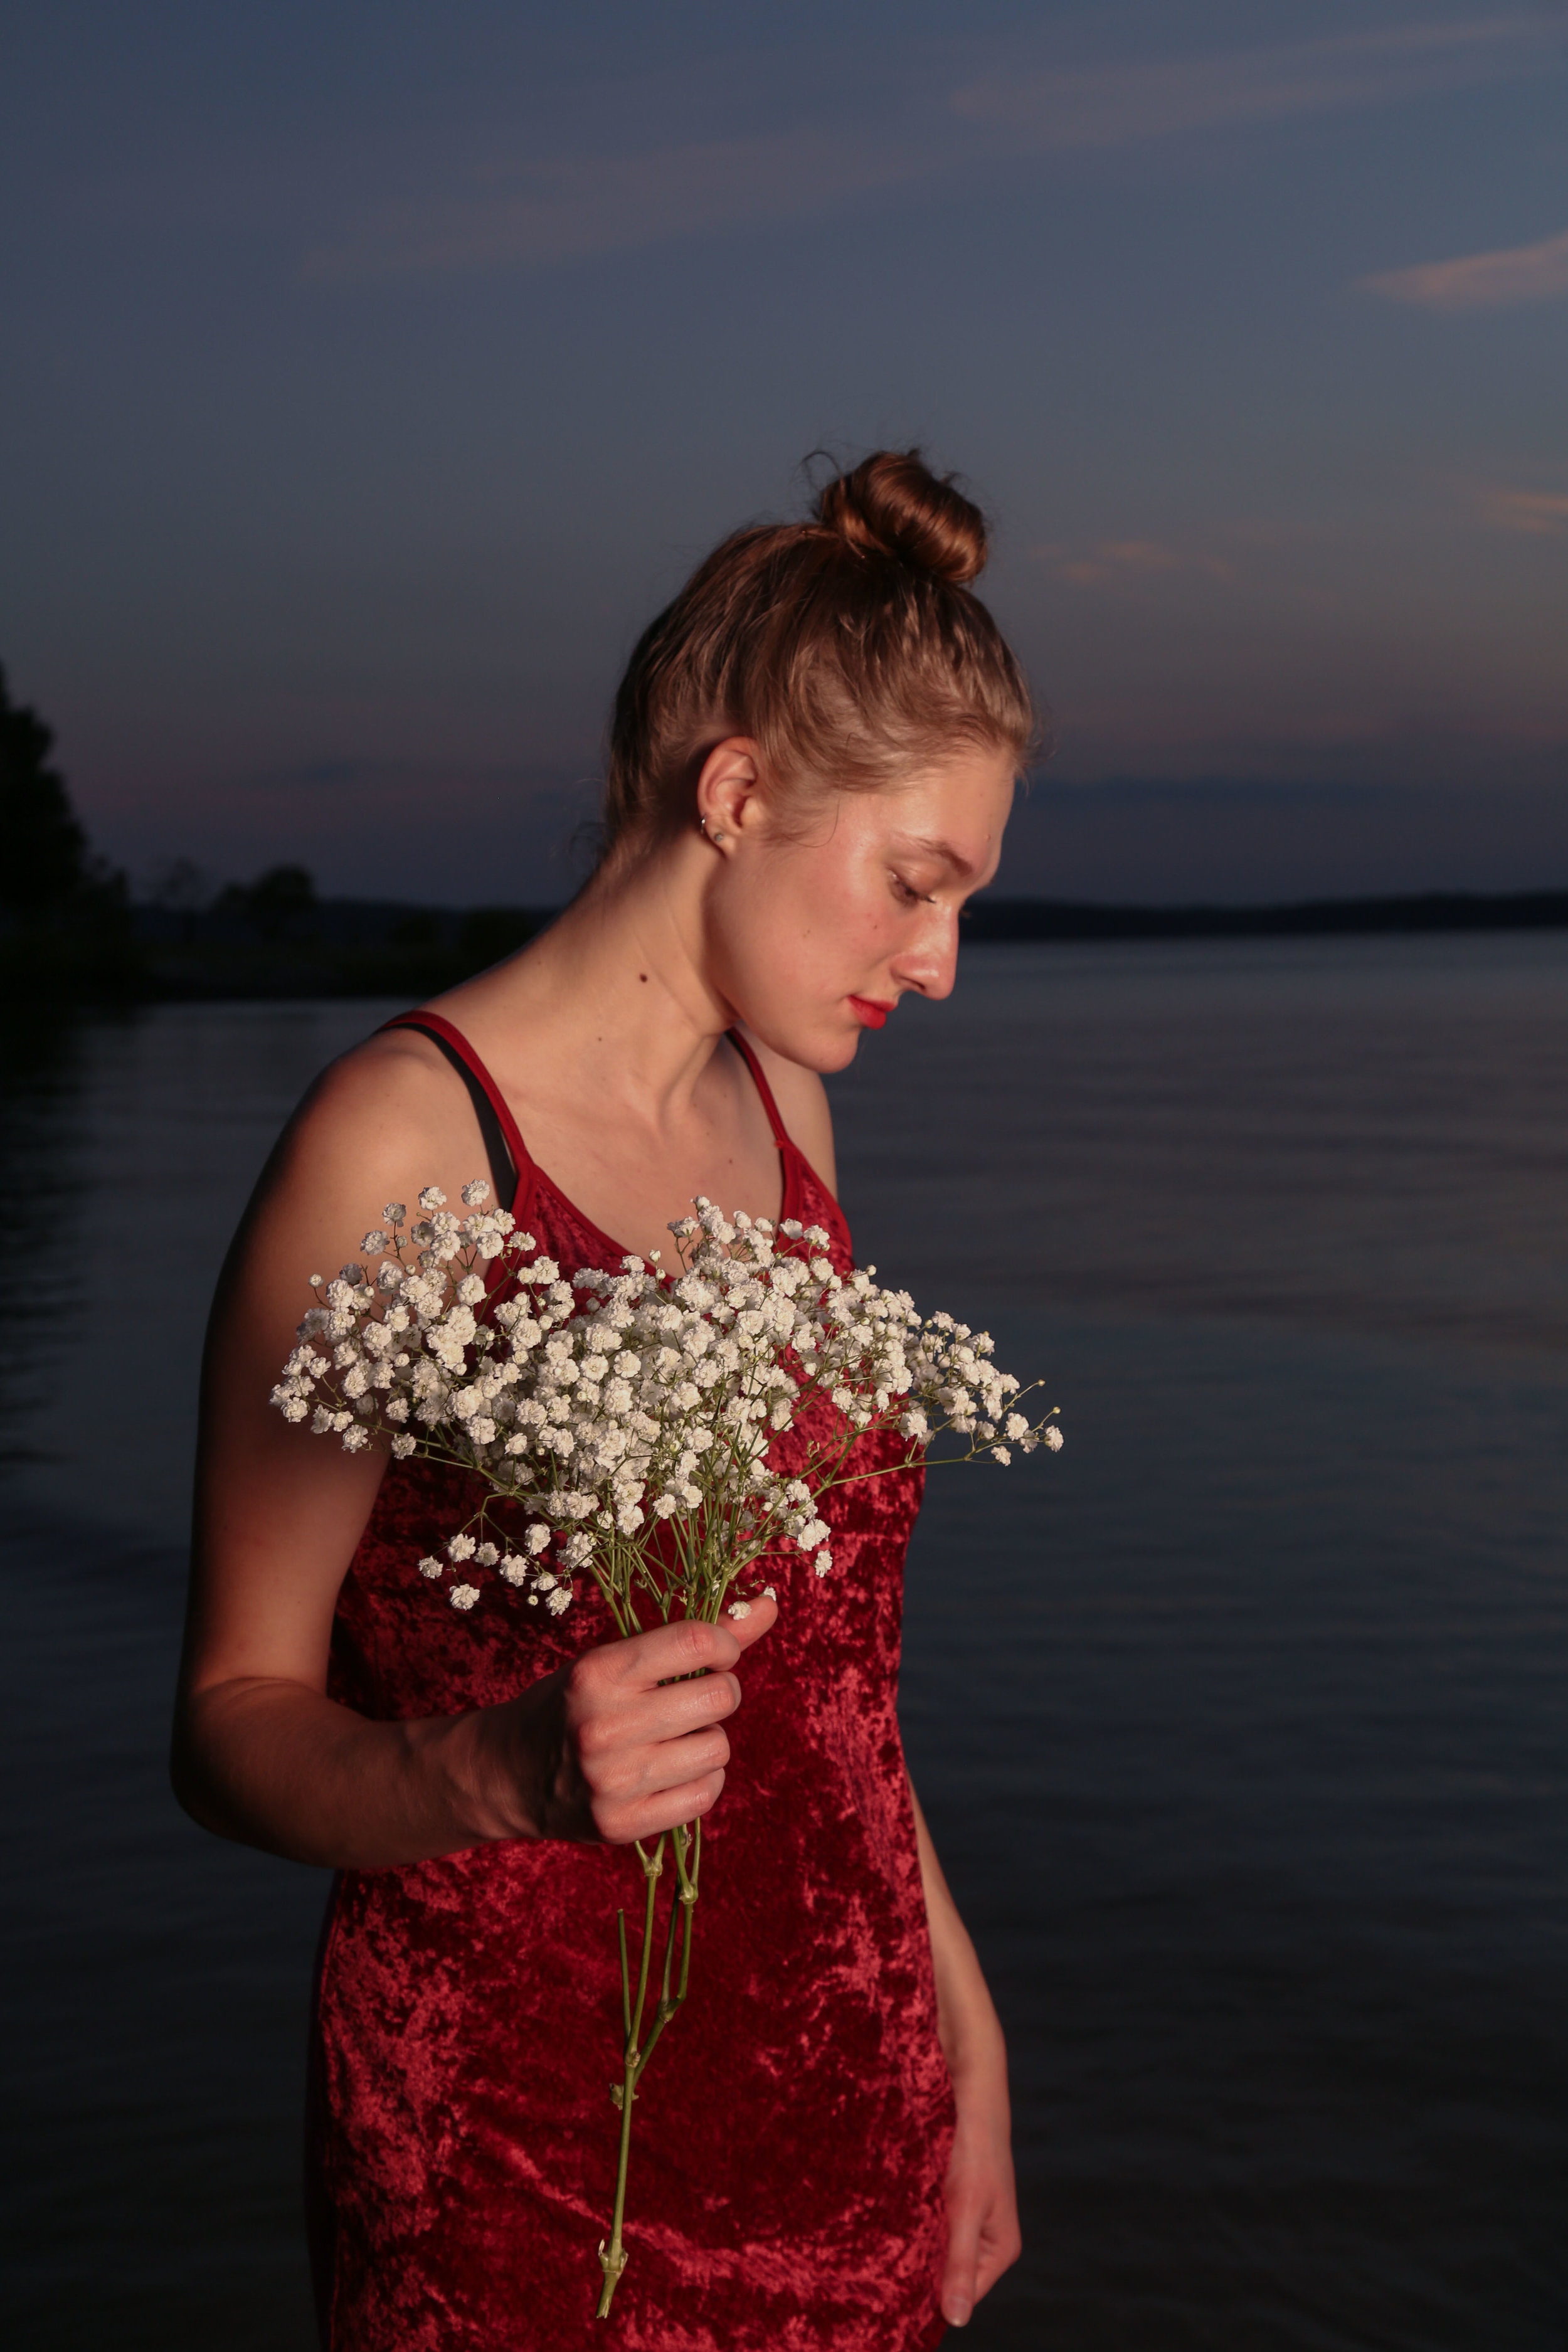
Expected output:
(619, 1425)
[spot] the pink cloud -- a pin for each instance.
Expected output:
(538, 209)
(1533, 514)
(1482, 281)
(1121, 563)
(1117, 105)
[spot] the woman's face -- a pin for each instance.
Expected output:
(818, 926)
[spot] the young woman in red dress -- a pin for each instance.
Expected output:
(813, 760)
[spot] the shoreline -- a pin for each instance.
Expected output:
(370, 947)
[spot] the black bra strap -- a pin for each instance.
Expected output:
(503, 1174)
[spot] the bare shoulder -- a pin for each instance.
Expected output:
(803, 1105)
(382, 1097)
(387, 1118)
(389, 1081)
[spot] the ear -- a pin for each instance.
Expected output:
(727, 789)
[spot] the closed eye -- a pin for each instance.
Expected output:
(909, 896)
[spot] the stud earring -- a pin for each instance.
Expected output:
(702, 828)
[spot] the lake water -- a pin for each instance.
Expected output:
(1240, 1725)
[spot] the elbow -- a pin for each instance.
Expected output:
(188, 1778)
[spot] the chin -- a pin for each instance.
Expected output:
(835, 1051)
(827, 1048)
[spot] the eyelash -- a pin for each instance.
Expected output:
(911, 896)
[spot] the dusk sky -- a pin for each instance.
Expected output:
(373, 372)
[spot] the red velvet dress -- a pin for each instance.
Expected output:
(792, 2138)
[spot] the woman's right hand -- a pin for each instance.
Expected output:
(612, 1747)
(625, 1742)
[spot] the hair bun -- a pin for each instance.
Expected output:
(893, 504)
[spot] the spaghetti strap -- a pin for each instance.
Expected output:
(512, 1168)
(504, 1147)
(781, 1133)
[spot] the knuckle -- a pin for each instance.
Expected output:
(702, 1642)
(594, 1738)
(613, 1777)
(714, 1697)
(584, 1679)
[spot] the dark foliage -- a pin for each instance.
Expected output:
(43, 849)
(1437, 910)
(277, 905)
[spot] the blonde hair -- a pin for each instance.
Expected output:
(850, 649)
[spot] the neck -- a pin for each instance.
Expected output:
(616, 998)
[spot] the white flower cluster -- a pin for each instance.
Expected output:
(631, 1415)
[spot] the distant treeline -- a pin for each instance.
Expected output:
(275, 937)
(1430, 910)
(70, 930)
(69, 927)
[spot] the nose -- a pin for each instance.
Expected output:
(929, 965)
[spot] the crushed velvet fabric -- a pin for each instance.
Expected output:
(792, 2135)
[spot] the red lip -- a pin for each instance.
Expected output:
(873, 1013)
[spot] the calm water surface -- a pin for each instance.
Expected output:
(1240, 1725)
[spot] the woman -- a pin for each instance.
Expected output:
(813, 758)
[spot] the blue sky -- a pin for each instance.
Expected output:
(375, 371)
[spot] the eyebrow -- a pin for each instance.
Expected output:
(944, 851)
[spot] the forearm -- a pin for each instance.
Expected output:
(982, 2203)
(275, 1764)
(970, 2032)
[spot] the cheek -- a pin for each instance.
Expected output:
(797, 927)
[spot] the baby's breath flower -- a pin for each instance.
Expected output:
(665, 1430)
(605, 1402)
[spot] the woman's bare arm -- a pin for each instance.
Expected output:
(261, 1754)
(983, 2239)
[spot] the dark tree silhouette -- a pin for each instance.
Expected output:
(43, 849)
(277, 905)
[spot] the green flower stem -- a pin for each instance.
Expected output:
(613, 2257)
(688, 1847)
